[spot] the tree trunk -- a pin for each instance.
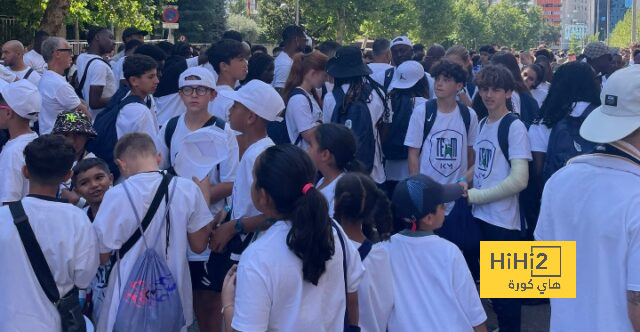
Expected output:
(53, 19)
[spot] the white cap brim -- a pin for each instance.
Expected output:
(257, 109)
(599, 127)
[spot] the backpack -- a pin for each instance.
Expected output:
(565, 143)
(105, 125)
(357, 117)
(278, 131)
(393, 145)
(150, 300)
(388, 77)
(431, 112)
(171, 129)
(78, 86)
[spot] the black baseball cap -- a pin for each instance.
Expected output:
(130, 31)
(416, 196)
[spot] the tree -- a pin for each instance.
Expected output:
(399, 19)
(508, 24)
(436, 19)
(476, 30)
(274, 16)
(550, 34)
(337, 19)
(621, 34)
(575, 46)
(244, 25)
(202, 21)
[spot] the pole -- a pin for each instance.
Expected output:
(633, 21)
(608, 19)
(297, 12)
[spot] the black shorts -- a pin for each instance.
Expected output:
(200, 279)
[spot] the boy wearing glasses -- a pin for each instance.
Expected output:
(141, 74)
(197, 89)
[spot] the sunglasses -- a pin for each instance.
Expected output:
(64, 50)
(200, 91)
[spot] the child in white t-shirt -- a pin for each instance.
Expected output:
(498, 175)
(364, 213)
(332, 148)
(300, 94)
(116, 221)
(292, 277)
(19, 104)
(229, 59)
(434, 290)
(141, 74)
(90, 180)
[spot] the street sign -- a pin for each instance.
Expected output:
(170, 14)
(170, 25)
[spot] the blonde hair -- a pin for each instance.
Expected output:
(303, 64)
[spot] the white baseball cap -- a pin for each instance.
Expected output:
(407, 75)
(260, 98)
(200, 151)
(206, 79)
(619, 114)
(401, 40)
(23, 98)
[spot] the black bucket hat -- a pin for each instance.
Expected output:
(347, 63)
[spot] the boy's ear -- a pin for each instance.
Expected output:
(111, 178)
(122, 165)
(25, 172)
(214, 94)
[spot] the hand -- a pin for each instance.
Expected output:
(84, 109)
(70, 196)
(219, 218)
(229, 286)
(221, 236)
(465, 188)
(204, 188)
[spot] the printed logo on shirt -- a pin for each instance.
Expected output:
(485, 154)
(446, 152)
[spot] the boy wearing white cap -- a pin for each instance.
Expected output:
(19, 104)
(197, 90)
(603, 218)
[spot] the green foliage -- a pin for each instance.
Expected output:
(621, 34)
(244, 25)
(550, 34)
(575, 45)
(398, 18)
(476, 30)
(436, 20)
(202, 21)
(274, 16)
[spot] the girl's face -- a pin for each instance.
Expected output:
(314, 151)
(316, 77)
(529, 77)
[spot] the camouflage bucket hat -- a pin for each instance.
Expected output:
(73, 122)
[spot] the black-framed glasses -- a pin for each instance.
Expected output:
(200, 90)
(65, 50)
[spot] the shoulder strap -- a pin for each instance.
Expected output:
(300, 91)
(466, 116)
(388, 77)
(26, 76)
(169, 130)
(503, 133)
(344, 265)
(155, 203)
(36, 256)
(588, 111)
(430, 113)
(364, 249)
(86, 70)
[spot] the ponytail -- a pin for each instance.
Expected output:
(341, 143)
(285, 172)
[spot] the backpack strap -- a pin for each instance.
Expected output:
(388, 77)
(86, 70)
(587, 111)
(34, 252)
(430, 113)
(344, 268)
(466, 116)
(26, 76)
(365, 249)
(338, 95)
(503, 133)
(300, 91)
(162, 190)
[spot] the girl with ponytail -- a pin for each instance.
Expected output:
(291, 277)
(364, 213)
(332, 149)
(304, 110)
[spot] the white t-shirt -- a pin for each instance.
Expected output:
(282, 67)
(116, 222)
(433, 288)
(398, 170)
(221, 105)
(329, 192)
(444, 151)
(515, 101)
(376, 107)
(539, 94)
(14, 186)
(192, 62)
(300, 117)
(116, 67)
(6, 74)
(57, 96)
(99, 74)
(375, 294)
(70, 248)
(223, 172)
(539, 133)
(136, 118)
(377, 67)
(242, 205)
(34, 77)
(492, 167)
(35, 60)
(593, 201)
(272, 295)
(169, 106)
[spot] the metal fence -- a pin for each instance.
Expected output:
(8, 27)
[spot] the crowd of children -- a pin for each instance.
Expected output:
(311, 190)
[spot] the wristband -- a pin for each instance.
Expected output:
(239, 226)
(461, 179)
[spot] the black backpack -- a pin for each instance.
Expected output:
(78, 86)
(431, 112)
(278, 131)
(393, 146)
(170, 129)
(105, 125)
(388, 77)
(565, 143)
(357, 117)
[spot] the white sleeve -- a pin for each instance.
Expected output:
(355, 269)
(12, 183)
(519, 147)
(136, 118)
(86, 254)
(299, 116)
(633, 247)
(378, 77)
(253, 300)
(162, 148)
(113, 225)
(67, 97)
(415, 132)
(473, 128)
(466, 291)
(539, 137)
(327, 107)
(200, 215)
(97, 75)
(229, 166)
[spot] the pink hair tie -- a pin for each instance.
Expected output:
(306, 188)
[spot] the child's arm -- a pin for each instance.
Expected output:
(414, 161)
(220, 191)
(511, 185)
(198, 240)
(480, 328)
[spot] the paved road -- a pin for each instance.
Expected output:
(535, 318)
